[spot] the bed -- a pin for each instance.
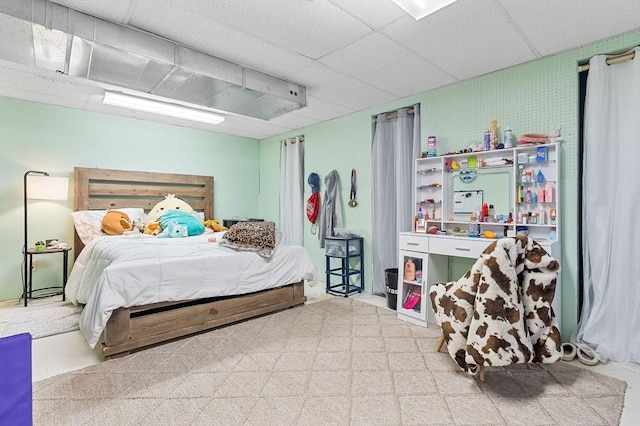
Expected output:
(220, 285)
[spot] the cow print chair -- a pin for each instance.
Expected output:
(499, 313)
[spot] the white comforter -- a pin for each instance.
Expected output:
(114, 272)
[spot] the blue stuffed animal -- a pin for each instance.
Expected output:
(175, 217)
(174, 230)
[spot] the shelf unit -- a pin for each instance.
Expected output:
(348, 254)
(437, 178)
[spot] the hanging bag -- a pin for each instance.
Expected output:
(313, 203)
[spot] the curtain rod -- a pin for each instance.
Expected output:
(612, 60)
(393, 114)
(300, 139)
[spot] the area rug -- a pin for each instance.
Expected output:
(338, 361)
(41, 322)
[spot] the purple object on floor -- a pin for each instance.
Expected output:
(15, 380)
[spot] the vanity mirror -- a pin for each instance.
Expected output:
(490, 185)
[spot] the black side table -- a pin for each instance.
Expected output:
(28, 280)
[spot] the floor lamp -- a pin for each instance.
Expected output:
(40, 186)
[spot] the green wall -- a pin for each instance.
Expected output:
(55, 139)
(529, 98)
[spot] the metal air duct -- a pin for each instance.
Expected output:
(46, 35)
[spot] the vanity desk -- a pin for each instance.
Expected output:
(450, 189)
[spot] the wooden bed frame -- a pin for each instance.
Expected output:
(135, 327)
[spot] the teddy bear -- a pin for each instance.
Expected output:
(115, 222)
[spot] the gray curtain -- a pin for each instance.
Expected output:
(292, 205)
(608, 328)
(396, 145)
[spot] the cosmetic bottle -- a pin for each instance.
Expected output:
(548, 193)
(494, 134)
(474, 227)
(507, 137)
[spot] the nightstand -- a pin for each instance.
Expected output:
(28, 280)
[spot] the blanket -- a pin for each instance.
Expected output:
(499, 313)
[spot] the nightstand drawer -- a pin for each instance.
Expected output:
(459, 247)
(414, 242)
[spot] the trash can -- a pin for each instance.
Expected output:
(391, 282)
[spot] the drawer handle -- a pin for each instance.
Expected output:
(413, 244)
(463, 248)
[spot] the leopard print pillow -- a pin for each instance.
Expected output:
(258, 237)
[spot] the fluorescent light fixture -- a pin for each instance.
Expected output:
(421, 8)
(162, 108)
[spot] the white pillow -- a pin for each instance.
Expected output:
(88, 223)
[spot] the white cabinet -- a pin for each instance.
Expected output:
(417, 270)
(424, 260)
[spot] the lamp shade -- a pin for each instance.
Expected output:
(47, 187)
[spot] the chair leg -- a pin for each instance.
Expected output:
(482, 375)
(440, 344)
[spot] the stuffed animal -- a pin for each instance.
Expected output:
(169, 203)
(152, 228)
(176, 217)
(213, 224)
(137, 227)
(554, 134)
(174, 230)
(115, 222)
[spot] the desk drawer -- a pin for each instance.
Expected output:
(458, 247)
(414, 242)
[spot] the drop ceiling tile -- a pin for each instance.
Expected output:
(253, 128)
(47, 83)
(372, 53)
(466, 39)
(570, 24)
(407, 76)
(310, 28)
(340, 89)
(215, 38)
(376, 13)
(293, 121)
(113, 10)
(322, 110)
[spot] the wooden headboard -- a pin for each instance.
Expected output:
(100, 189)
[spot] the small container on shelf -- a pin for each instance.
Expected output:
(474, 227)
(431, 147)
(542, 154)
(339, 247)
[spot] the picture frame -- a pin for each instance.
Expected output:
(421, 226)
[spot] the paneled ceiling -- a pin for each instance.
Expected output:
(350, 54)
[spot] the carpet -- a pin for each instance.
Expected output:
(338, 361)
(41, 322)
